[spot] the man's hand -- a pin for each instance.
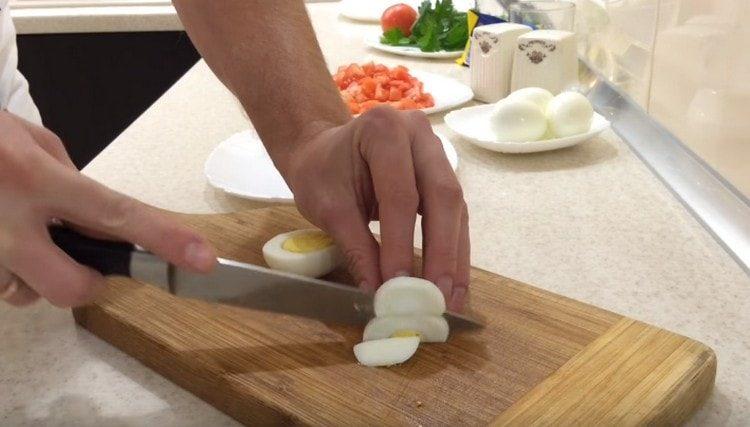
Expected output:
(39, 184)
(343, 172)
(384, 165)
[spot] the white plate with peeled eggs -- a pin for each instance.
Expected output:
(529, 120)
(241, 166)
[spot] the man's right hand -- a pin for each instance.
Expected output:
(38, 185)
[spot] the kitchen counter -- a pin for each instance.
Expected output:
(93, 16)
(589, 222)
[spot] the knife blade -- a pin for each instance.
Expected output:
(231, 282)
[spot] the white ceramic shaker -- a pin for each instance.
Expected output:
(492, 48)
(546, 59)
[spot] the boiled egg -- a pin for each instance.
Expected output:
(310, 253)
(387, 351)
(427, 328)
(408, 310)
(539, 96)
(517, 120)
(407, 296)
(569, 113)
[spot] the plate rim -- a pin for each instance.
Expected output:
(516, 147)
(228, 189)
(373, 41)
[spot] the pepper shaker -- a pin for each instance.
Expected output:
(492, 48)
(546, 59)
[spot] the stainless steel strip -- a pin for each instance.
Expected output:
(717, 205)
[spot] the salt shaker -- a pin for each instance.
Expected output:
(492, 48)
(546, 59)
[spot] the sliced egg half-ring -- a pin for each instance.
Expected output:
(387, 351)
(427, 328)
(408, 296)
(308, 252)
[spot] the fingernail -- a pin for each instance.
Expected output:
(199, 256)
(457, 299)
(445, 283)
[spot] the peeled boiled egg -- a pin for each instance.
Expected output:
(539, 96)
(387, 351)
(517, 120)
(408, 296)
(308, 252)
(427, 328)
(569, 113)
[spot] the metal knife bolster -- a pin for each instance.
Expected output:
(145, 267)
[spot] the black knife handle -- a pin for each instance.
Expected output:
(105, 256)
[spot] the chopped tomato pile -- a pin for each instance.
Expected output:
(369, 85)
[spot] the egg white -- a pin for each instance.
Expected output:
(408, 296)
(311, 264)
(429, 328)
(387, 351)
(569, 113)
(517, 120)
(539, 96)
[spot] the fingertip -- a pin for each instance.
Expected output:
(200, 256)
(445, 284)
(458, 299)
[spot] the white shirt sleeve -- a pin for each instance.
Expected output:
(14, 89)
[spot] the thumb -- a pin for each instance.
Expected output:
(359, 248)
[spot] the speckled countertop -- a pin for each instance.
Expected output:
(589, 222)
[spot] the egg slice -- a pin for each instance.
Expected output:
(539, 96)
(408, 296)
(427, 328)
(517, 120)
(387, 351)
(308, 252)
(569, 113)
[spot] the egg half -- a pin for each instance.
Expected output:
(517, 120)
(427, 328)
(569, 113)
(310, 253)
(386, 351)
(408, 296)
(539, 96)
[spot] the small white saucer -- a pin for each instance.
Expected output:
(473, 123)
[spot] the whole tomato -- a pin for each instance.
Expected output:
(401, 16)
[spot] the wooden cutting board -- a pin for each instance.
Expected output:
(542, 359)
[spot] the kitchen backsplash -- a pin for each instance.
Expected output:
(687, 63)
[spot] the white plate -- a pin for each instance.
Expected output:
(473, 124)
(373, 40)
(372, 10)
(446, 92)
(241, 166)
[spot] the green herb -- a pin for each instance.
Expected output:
(395, 37)
(438, 28)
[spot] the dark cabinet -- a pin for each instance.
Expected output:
(90, 87)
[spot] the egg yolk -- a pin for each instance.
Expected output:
(307, 242)
(402, 333)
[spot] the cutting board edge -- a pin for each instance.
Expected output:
(96, 320)
(672, 403)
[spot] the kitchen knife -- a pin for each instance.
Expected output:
(231, 282)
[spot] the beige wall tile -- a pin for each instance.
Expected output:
(617, 38)
(701, 81)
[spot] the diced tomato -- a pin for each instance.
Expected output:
(395, 94)
(369, 85)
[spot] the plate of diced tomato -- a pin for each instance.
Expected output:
(368, 85)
